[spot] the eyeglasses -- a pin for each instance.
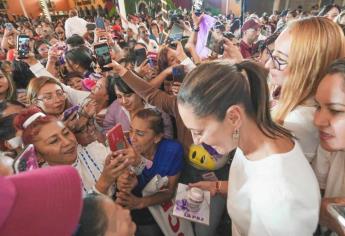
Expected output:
(278, 63)
(49, 99)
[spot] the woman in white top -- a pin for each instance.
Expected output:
(301, 54)
(329, 165)
(272, 189)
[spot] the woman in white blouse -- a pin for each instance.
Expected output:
(302, 52)
(272, 189)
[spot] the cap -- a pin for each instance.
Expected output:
(41, 202)
(250, 24)
(116, 28)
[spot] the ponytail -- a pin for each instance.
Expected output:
(259, 95)
(211, 88)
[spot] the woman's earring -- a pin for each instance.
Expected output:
(236, 135)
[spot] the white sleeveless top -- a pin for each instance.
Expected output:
(278, 195)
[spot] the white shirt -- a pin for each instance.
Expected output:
(300, 123)
(89, 164)
(75, 25)
(278, 195)
(329, 168)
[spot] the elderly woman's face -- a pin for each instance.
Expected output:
(51, 99)
(58, 146)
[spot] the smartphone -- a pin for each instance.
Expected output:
(152, 59)
(90, 26)
(9, 26)
(140, 56)
(26, 161)
(23, 46)
(70, 111)
(197, 7)
(178, 73)
(215, 42)
(103, 56)
(176, 33)
(116, 138)
(338, 212)
(100, 23)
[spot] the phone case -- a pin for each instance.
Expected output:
(26, 161)
(116, 138)
(69, 111)
(23, 46)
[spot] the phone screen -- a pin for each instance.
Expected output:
(23, 46)
(103, 55)
(140, 56)
(100, 23)
(176, 33)
(178, 73)
(26, 161)
(215, 42)
(9, 26)
(152, 59)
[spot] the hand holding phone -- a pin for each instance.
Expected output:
(178, 73)
(103, 56)
(23, 46)
(116, 138)
(215, 42)
(140, 56)
(26, 161)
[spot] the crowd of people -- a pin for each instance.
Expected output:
(252, 111)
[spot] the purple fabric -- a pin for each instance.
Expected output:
(115, 115)
(206, 24)
(210, 149)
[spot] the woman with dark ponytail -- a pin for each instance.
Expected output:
(271, 189)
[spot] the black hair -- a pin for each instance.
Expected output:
(70, 75)
(37, 44)
(337, 67)
(154, 117)
(235, 25)
(111, 81)
(93, 220)
(293, 13)
(7, 130)
(327, 8)
(81, 56)
(75, 40)
(122, 86)
(213, 87)
(21, 74)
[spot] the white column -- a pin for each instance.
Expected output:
(122, 9)
(276, 5)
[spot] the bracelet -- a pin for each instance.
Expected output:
(218, 186)
(196, 29)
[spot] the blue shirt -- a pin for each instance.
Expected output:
(168, 161)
